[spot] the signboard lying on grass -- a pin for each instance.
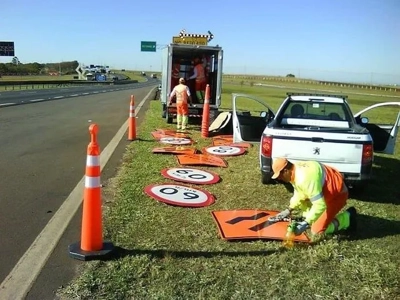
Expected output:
(179, 195)
(194, 176)
(249, 224)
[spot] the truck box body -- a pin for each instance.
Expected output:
(177, 61)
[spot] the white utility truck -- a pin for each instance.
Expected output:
(321, 127)
(178, 60)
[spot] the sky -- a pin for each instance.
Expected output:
(343, 40)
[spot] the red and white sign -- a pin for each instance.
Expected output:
(189, 175)
(175, 140)
(179, 195)
(225, 150)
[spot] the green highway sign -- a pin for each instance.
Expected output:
(147, 46)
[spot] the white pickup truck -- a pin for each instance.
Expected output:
(316, 127)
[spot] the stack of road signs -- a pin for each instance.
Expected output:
(224, 150)
(181, 195)
(201, 159)
(191, 175)
(175, 140)
(251, 224)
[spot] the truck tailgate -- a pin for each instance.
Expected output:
(343, 155)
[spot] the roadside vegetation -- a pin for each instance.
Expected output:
(167, 252)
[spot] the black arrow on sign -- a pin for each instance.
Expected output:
(240, 219)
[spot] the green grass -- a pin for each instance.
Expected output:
(134, 75)
(176, 253)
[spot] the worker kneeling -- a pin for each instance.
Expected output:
(182, 94)
(319, 193)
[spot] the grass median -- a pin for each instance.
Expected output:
(176, 253)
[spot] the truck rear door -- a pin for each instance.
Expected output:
(166, 73)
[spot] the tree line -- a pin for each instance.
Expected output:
(15, 67)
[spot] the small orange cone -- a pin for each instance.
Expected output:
(91, 245)
(205, 122)
(132, 120)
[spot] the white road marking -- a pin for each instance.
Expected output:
(74, 95)
(37, 100)
(85, 93)
(7, 104)
(58, 97)
(20, 280)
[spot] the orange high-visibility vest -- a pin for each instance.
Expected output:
(181, 94)
(200, 73)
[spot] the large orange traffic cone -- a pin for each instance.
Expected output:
(132, 120)
(205, 122)
(91, 245)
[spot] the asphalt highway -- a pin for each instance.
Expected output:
(42, 158)
(10, 98)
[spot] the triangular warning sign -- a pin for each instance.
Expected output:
(202, 159)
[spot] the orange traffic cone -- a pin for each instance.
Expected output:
(205, 122)
(132, 120)
(91, 245)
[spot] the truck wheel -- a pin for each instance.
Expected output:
(266, 178)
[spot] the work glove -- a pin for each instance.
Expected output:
(279, 217)
(301, 227)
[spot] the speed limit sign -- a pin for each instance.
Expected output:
(194, 176)
(179, 195)
(225, 150)
(175, 140)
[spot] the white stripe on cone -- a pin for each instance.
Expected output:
(93, 160)
(92, 182)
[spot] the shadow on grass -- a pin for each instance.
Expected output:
(120, 252)
(384, 186)
(369, 227)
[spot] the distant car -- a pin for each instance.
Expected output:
(317, 127)
(153, 75)
(143, 73)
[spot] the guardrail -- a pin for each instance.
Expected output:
(316, 82)
(43, 84)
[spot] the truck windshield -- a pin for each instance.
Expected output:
(316, 114)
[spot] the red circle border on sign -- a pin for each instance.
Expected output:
(216, 178)
(210, 197)
(242, 150)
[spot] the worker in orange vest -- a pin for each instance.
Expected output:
(182, 94)
(200, 78)
(319, 193)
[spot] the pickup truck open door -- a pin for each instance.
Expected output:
(383, 135)
(249, 118)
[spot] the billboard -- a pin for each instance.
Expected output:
(7, 49)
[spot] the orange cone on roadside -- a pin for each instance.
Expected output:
(205, 122)
(132, 120)
(91, 245)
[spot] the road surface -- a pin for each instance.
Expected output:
(42, 158)
(11, 98)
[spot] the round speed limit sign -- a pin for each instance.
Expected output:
(194, 176)
(175, 141)
(179, 195)
(225, 150)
